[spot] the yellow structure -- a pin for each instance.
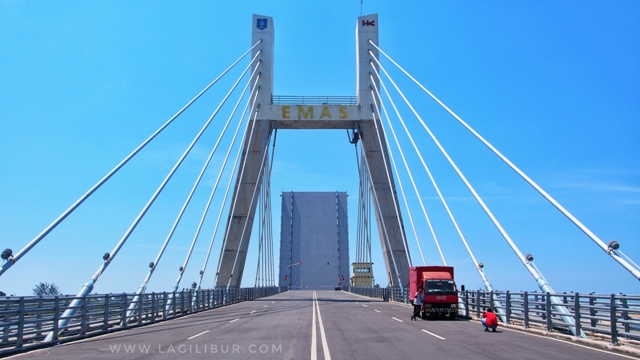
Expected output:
(362, 274)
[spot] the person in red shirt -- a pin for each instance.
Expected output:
(489, 320)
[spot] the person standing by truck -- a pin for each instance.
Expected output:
(489, 320)
(417, 304)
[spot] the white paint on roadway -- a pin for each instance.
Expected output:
(253, 311)
(325, 346)
(234, 320)
(196, 335)
(314, 350)
(396, 319)
(432, 334)
(376, 310)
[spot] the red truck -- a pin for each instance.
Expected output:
(440, 292)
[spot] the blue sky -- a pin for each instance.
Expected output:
(554, 85)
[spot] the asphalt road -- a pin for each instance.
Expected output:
(347, 326)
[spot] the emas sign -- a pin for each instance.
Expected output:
(311, 116)
(311, 112)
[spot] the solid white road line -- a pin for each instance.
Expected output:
(434, 335)
(325, 347)
(397, 319)
(376, 310)
(314, 350)
(234, 320)
(196, 335)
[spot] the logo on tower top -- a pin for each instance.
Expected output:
(368, 23)
(262, 24)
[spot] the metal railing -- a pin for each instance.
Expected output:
(26, 321)
(313, 100)
(613, 317)
(387, 294)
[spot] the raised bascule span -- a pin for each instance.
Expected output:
(31, 322)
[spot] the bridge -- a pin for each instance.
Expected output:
(232, 319)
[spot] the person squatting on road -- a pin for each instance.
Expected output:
(489, 320)
(417, 304)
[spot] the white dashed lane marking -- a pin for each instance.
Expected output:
(196, 335)
(432, 334)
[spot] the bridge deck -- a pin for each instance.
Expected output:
(280, 327)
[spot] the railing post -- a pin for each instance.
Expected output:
(547, 304)
(105, 317)
(165, 298)
(466, 304)
(182, 302)
(477, 304)
(20, 333)
(140, 307)
(576, 313)
(39, 318)
(491, 304)
(173, 304)
(613, 319)
(154, 309)
(123, 311)
(526, 309)
(625, 313)
(56, 317)
(507, 305)
(7, 320)
(592, 311)
(83, 315)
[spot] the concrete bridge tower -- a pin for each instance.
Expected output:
(314, 113)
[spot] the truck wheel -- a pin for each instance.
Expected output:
(452, 316)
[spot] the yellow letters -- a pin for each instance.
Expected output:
(285, 112)
(305, 114)
(325, 112)
(343, 112)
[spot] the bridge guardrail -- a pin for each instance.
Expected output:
(614, 317)
(26, 321)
